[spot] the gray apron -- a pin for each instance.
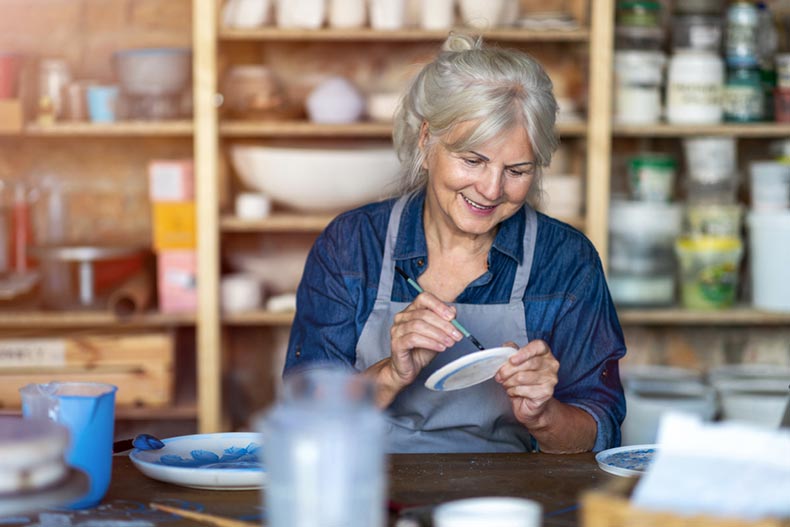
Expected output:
(474, 419)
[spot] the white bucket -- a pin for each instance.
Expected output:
(769, 246)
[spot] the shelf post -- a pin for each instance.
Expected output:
(599, 127)
(206, 154)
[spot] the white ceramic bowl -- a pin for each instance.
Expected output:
(318, 179)
(488, 511)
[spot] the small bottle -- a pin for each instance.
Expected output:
(741, 44)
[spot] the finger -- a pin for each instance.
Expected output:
(422, 328)
(536, 348)
(426, 320)
(432, 302)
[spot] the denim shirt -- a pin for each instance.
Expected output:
(567, 301)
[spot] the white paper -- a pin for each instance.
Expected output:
(718, 469)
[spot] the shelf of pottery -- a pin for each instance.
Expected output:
(700, 211)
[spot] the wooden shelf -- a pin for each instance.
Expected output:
(118, 129)
(177, 411)
(259, 318)
(727, 129)
(401, 35)
(306, 129)
(737, 316)
(41, 320)
(280, 222)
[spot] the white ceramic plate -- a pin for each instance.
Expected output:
(227, 461)
(628, 461)
(469, 370)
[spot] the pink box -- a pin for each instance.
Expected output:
(177, 281)
(171, 180)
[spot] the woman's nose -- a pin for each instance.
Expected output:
(490, 184)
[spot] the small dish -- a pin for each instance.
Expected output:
(469, 370)
(627, 461)
(227, 461)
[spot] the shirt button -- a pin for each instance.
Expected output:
(420, 262)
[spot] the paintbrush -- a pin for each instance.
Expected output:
(211, 519)
(454, 322)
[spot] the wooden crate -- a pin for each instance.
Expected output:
(610, 506)
(140, 365)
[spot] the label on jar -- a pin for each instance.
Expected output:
(693, 94)
(743, 103)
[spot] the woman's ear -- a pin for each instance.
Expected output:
(423, 143)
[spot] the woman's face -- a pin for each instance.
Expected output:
(473, 191)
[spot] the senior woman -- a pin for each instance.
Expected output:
(473, 133)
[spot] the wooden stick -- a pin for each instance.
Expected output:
(210, 519)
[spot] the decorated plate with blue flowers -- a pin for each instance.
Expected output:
(226, 461)
(629, 461)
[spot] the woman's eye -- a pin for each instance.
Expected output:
(515, 172)
(472, 161)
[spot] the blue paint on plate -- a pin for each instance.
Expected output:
(233, 457)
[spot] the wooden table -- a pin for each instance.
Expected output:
(415, 479)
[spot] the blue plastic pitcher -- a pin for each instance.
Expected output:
(88, 411)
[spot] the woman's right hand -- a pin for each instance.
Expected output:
(418, 333)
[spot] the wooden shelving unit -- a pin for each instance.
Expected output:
(291, 129)
(273, 34)
(47, 320)
(744, 130)
(281, 222)
(738, 316)
(118, 129)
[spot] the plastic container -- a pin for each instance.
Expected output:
(697, 31)
(648, 400)
(714, 220)
(642, 236)
(103, 103)
(651, 176)
(636, 38)
(709, 271)
(770, 185)
(695, 80)
(769, 248)
(639, 76)
(636, 290)
(711, 168)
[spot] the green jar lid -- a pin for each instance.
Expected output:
(647, 5)
(652, 160)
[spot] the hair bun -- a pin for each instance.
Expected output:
(459, 42)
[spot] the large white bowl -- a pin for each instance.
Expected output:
(318, 179)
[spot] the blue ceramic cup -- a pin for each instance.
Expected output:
(102, 103)
(88, 411)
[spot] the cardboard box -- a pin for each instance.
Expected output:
(174, 225)
(177, 281)
(171, 180)
(140, 365)
(11, 115)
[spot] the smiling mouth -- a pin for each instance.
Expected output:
(477, 205)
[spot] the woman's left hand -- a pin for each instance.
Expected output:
(529, 378)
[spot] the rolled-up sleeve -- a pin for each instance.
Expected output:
(588, 342)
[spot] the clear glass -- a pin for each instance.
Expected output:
(324, 452)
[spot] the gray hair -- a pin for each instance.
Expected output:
(500, 88)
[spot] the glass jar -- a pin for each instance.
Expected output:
(742, 44)
(696, 31)
(639, 76)
(652, 176)
(744, 100)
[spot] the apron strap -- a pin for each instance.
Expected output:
(523, 271)
(386, 276)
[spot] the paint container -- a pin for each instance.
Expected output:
(651, 176)
(769, 249)
(488, 511)
(88, 410)
(695, 81)
(639, 77)
(712, 170)
(770, 185)
(714, 220)
(709, 267)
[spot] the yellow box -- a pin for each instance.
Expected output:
(139, 364)
(174, 225)
(11, 115)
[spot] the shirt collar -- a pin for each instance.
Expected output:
(411, 234)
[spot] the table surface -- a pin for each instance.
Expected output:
(555, 481)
